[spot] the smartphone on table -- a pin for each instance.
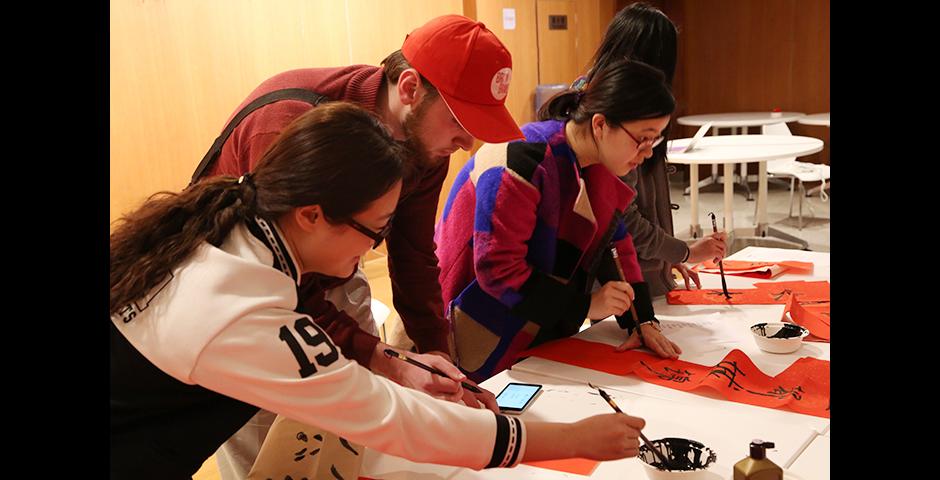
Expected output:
(517, 397)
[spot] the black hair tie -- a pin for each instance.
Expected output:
(248, 196)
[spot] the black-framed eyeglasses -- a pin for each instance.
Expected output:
(376, 236)
(648, 143)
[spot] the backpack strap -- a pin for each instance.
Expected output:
(302, 94)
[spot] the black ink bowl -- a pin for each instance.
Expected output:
(688, 459)
(779, 337)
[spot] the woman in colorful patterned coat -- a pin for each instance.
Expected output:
(528, 227)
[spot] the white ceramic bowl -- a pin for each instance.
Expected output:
(779, 337)
(698, 455)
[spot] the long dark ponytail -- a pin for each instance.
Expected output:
(337, 155)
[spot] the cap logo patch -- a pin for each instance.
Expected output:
(499, 86)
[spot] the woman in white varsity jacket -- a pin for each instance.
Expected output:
(204, 327)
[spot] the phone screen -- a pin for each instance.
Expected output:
(517, 396)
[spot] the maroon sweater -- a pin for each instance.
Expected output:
(411, 259)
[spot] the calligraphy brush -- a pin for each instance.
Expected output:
(623, 278)
(610, 401)
(721, 268)
(393, 354)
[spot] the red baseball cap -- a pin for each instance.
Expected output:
(471, 69)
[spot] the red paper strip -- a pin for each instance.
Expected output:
(751, 296)
(764, 293)
(803, 387)
(813, 316)
(803, 291)
(579, 466)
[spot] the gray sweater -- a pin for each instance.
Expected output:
(649, 220)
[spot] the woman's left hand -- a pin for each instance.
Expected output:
(688, 274)
(652, 339)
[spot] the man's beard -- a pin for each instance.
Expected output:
(418, 157)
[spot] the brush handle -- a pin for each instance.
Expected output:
(393, 354)
(610, 401)
(721, 267)
(724, 286)
(623, 278)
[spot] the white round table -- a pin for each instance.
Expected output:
(732, 149)
(738, 122)
(815, 119)
(739, 119)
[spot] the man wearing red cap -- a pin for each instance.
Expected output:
(447, 85)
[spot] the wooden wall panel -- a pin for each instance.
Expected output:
(179, 68)
(523, 45)
(378, 27)
(566, 54)
(591, 19)
(558, 59)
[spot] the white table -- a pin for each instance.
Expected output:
(813, 462)
(815, 119)
(739, 119)
(727, 427)
(727, 432)
(738, 122)
(731, 149)
(727, 329)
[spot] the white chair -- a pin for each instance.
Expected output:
(795, 171)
